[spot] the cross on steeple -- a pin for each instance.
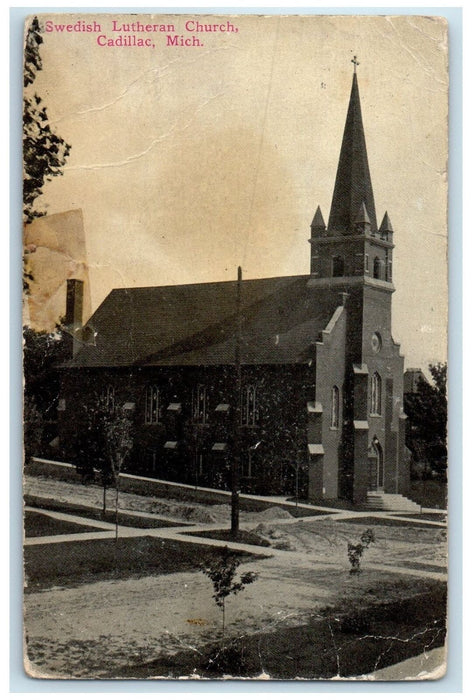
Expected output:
(355, 62)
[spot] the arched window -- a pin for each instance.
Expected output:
(376, 395)
(249, 410)
(377, 268)
(108, 398)
(338, 266)
(247, 464)
(151, 414)
(388, 267)
(200, 405)
(335, 407)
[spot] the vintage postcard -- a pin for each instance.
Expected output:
(235, 344)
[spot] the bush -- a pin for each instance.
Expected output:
(355, 551)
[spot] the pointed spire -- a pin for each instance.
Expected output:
(386, 226)
(362, 215)
(353, 184)
(318, 221)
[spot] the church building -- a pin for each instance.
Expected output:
(297, 378)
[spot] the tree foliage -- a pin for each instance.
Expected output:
(356, 551)
(115, 433)
(42, 354)
(117, 429)
(33, 62)
(33, 428)
(426, 408)
(44, 152)
(221, 571)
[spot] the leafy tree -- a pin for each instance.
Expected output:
(43, 352)
(356, 551)
(104, 441)
(221, 572)
(44, 152)
(33, 62)
(89, 445)
(33, 428)
(117, 431)
(426, 408)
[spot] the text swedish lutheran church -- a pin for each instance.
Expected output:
(321, 379)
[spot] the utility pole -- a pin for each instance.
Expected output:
(236, 452)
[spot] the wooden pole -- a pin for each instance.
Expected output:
(236, 456)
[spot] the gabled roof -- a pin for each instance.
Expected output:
(196, 324)
(353, 184)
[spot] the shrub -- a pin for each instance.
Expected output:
(355, 551)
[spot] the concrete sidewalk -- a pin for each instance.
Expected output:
(360, 515)
(185, 534)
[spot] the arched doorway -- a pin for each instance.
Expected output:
(376, 466)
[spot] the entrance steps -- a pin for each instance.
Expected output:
(376, 500)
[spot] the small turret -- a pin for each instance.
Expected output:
(386, 230)
(362, 221)
(318, 226)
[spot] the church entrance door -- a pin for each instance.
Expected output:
(376, 466)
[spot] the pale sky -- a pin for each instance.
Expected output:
(190, 161)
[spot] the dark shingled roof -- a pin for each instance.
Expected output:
(195, 324)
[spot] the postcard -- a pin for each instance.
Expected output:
(235, 344)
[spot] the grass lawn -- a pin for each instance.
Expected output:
(335, 643)
(372, 520)
(242, 537)
(68, 564)
(434, 517)
(138, 521)
(302, 512)
(41, 525)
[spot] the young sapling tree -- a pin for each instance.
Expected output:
(355, 551)
(221, 571)
(117, 428)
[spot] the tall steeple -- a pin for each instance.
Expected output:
(353, 186)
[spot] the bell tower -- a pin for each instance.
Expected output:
(352, 245)
(352, 255)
